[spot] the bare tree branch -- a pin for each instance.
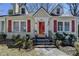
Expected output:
(74, 8)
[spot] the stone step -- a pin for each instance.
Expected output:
(45, 46)
(42, 37)
(43, 40)
(43, 43)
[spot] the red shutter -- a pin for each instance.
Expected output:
(9, 25)
(55, 25)
(73, 25)
(28, 26)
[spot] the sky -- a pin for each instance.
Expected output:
(6, 6)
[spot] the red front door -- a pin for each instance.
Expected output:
(41, 28)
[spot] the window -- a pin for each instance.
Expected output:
(66, 26)
(23, 10)
(1, 26)
(60, 26)
(23, 26)
(15, 26)
(58, 11)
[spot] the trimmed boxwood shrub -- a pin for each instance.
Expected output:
(67, 39)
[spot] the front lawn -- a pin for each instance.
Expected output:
(5, 51)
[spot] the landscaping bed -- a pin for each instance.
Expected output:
(5, 51)
(68, 50)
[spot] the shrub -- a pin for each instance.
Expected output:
(30, 43)
(58, 40)
(15, 38)
(27, 36)
(24, 42)
(19, 43)
(67, 39)
(3, 36)
(59, 36)
(76, 45)
(70, 39)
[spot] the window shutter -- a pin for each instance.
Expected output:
(28, 26)
(73, 26)
(9, 25)
(55, 25)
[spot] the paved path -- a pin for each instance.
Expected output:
(5, 51)
(50, 52)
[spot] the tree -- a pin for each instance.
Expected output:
(74, 8)
(32, 7)
(10, 12)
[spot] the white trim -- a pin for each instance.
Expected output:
(2, 26)
(44, 19)
(19, 24)
(13, 26)
(64, 26)
(2, 19)
(4, 23)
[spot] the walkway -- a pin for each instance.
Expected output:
(50, 52)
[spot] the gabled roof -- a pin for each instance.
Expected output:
(57, 5)
(41, 12)
(54, 7)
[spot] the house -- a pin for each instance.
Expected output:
(40, 23)
(46, 22)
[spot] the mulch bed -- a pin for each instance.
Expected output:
(2, 41)
(69, 50)
(9, 42)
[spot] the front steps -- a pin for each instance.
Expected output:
(45, 46)
(43, 42)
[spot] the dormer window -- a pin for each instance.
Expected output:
(58, 11)
(23, 10)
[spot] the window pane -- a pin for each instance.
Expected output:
(2, 29)
(66, 26)
(60, 26)
(23, 26)
(1, 26)
(16, 26)
(58, 10)
(23, 10)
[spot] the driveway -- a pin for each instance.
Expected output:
(50, 52)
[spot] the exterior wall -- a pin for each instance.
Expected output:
(49, 24)
(77, 25)
(20, 18)
(64, 19)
